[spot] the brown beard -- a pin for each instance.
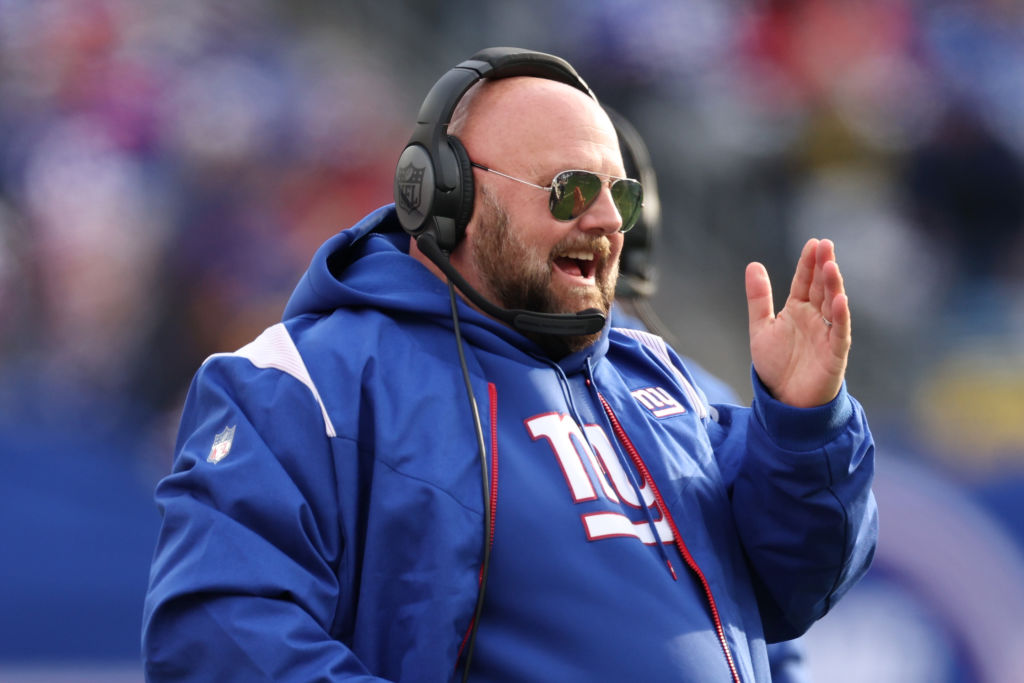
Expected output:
(517, 280)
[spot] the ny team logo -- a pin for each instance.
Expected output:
(658, 401)
(593, 470)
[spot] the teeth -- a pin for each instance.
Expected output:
(579, 255)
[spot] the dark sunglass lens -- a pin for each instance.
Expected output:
(572, 192)
(628, 196)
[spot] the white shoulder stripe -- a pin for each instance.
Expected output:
(659, 348)
(275, 349)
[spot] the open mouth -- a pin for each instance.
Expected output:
(580, 263)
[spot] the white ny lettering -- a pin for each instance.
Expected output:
(570, 447)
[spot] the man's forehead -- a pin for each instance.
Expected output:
(520, 96)
(526, 89)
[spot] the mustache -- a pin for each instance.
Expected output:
(600, 245)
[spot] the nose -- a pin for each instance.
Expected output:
(601, 216)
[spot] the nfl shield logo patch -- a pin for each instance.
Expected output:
(410, 186)
(221, 445)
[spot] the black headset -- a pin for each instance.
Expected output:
(434, 180)
(637, 271)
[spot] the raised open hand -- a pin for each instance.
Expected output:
(800, 354)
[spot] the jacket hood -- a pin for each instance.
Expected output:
(368, 266)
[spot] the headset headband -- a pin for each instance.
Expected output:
(493, 63)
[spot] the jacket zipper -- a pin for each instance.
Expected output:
(651, 522)
(492, 395)
(691, 563)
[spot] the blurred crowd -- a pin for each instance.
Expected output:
(166, 172)
(167, 169)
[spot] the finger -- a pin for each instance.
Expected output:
(833, 286)
(800, 288)
(840, 334)
(826, 251)
(760, 308)
(817, 294)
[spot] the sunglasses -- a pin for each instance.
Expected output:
(574, 191)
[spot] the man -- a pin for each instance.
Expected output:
(338, 509)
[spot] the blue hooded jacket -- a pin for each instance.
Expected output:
(324, 519)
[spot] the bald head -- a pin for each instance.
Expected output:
(533, 123)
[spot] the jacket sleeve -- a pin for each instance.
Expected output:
(799, 482)
(244, 582)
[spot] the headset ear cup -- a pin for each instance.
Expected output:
(415, 189)
(464, 209)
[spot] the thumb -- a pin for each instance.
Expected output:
(760, 308)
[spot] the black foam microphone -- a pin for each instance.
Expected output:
(589, 321)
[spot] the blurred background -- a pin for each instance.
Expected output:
(167, 170)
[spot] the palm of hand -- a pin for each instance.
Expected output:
(798, 356)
